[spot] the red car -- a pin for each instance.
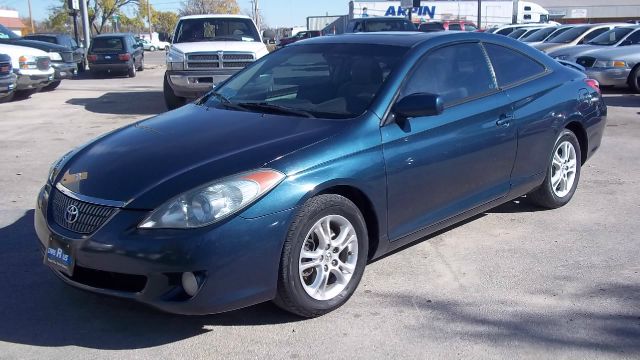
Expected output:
(300, 36)
(459, 25)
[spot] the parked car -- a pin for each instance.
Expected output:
(546, 33)
(621, 36)
(519, 34)
(199, 59)
(32, 67)
(115, 53)
(289, 177)
(7, 79)
(300, 36)
(61, 57)
(459, 25)
(615, 66)
(64, 40)
(376, 24)
(154, 45)
(577, 35)
(508, 29)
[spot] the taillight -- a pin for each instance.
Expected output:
(593, 84)
(124, 57)
(92, 58)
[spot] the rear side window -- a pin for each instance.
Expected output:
(590, 36)
(511, 66)
(455, 27)
(634, 38)
(456, 73)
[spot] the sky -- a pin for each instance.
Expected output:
(276, 12)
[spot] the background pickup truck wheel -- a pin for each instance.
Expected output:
(170, 99)
(52, 86)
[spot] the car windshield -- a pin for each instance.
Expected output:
(516, 34)
(49, 39)
(569, 35)
(216, 29)
(540, 35)
(7, 34)
(107, 45)
(387, 25)
(332, 81)
(611, 37)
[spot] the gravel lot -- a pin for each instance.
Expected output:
(512, 283)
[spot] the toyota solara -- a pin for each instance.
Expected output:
(284, 181)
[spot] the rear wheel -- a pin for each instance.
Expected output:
(170, 99)
(141, 67)
(323, 257)
(7, 98)
(634, 79)
(52, 86)
(563, 173)
(132, 70)
(153, 48)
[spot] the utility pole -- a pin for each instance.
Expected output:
(33, 28)
(149, 18)
(514, 17)
(479, 14)
(86, 30)
(256, 13)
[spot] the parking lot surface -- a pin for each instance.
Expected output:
(515, 282)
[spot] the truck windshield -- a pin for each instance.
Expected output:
(330, 81)
(7, 34)
(216, 29)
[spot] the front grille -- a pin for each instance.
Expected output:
(237, 57)
(237, 64)
(67, 56)
(108, 280)
(5, 68)
(586, 61)
(219, 60)
(90, 216)
(43, 63)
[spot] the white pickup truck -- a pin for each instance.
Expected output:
(206, 50)
(32, 67)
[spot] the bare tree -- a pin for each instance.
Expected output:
(197, 7)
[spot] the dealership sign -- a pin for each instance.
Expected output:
(429, 11)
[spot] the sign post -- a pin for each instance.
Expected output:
(408, 5)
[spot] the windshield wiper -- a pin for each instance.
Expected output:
(275, 108)
(223, 100)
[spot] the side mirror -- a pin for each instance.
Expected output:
(419, 104)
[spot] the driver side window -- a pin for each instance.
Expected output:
(455, 72)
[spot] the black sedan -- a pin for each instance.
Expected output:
(287, 179)
(115, 53)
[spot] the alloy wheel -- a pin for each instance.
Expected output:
(563, 169)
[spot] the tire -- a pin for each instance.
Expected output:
(52, 86)
(7, 98)
(302, 292)
(634, 79)
(25, 94)
(132, 70)
(170, 99)
(153, 48)
(141, 67)
(552, 194)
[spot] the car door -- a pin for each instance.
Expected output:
(440, 166)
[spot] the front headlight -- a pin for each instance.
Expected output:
(54, 56)
(610, 64)
(214, 201)
(54, 170)
(175, 60)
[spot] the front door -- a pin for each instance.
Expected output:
(440, 166)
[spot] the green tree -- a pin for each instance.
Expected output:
(164, 21)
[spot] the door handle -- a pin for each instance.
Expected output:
(504, 120)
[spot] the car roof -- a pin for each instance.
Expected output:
(210, 16)
(46, 34)
(397, 38)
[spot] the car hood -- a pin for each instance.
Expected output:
(575, 51)
(146, 163)
(15, 51)
(630, 54)
(213, 46)
(42, 45)
(548, 47)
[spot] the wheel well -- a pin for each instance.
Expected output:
(366, 208)
(629, 79)
(581, 134)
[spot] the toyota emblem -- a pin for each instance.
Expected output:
(71, 215)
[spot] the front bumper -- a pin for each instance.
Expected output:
(64, 70)
(7, 84)
(237, 260)
(192, 84)
(609, 76)
(34, 79)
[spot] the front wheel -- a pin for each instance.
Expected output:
(170, 99)
(563, 173)
(634, 79)
(52, 86)
(323, 257)
(141, 67)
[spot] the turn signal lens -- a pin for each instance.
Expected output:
(23, 59)
(619, 63)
